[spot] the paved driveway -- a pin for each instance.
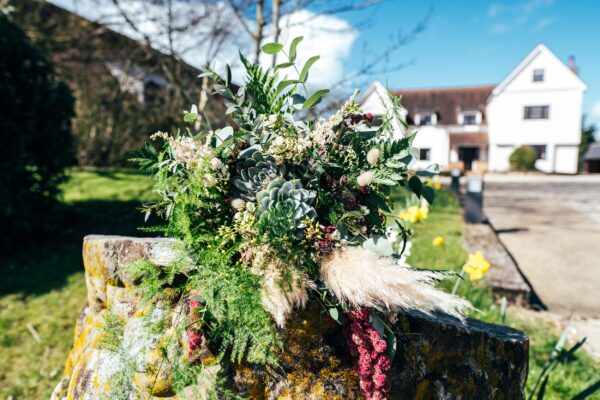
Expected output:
(551, 225)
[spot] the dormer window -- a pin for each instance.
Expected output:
(469, 117)
(424, 118)
(538, 75)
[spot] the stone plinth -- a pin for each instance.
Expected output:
(438, 357)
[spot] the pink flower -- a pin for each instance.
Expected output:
(366, 386)
(383, 362)
(380, 346)
(372, 362)
(379, 378)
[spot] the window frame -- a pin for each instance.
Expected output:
(529, 114)
(432, 118)
(539, 72)
(427, 151)
(476, 114)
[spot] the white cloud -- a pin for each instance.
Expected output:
(544, 23)
(532, 5)
(496, 9)
(499, 29)
(328, 36)
(508, 17)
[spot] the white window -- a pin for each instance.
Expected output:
(469, 117)
(424, 154)
(425, 118)
(538, 75)
(536, 112)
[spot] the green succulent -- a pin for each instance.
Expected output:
(281, 194)
(254, 171)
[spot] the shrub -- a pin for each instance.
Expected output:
(35, 122)
(523, 159)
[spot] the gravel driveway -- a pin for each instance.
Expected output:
(551, 225)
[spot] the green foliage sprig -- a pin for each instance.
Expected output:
(258, 205)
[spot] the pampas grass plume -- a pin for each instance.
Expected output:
(361, 278)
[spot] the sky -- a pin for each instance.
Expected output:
(480, 42)
(464, 42)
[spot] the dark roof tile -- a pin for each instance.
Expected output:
(446, 102)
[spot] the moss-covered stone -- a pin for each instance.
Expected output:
(437, 357)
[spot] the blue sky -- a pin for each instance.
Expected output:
(480, 42)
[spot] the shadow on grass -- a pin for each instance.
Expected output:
(45, 264)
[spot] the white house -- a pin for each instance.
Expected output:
(477, 128)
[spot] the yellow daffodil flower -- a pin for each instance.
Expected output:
(438, 241)
(476, 266)
(415, 213)
(434, 183)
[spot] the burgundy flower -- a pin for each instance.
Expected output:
(369, 348)
(325, 245)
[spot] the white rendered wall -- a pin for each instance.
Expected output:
(562, 91)
(435, 139)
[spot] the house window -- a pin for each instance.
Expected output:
(540, 150)
(424, 154)
(425, 118)
(538, 75)
(536, 112)
(470, 118)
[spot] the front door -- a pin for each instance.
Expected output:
(467, 155)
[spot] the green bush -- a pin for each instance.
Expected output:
(35, 124)
(523, 159)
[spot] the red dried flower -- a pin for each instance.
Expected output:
(372, 362)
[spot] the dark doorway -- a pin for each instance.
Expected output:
(592, 166)
(467, 155)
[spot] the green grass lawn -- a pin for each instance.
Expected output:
(44, 287)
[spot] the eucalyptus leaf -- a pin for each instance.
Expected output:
(190, 117)
(379, 245)
(335, 314)
(272, 48)
(392, 344)
(415, 185)
(283, 66)
(306, 68)
(293, 47)
(284, 84)
(228, 75)
(428, 194)
(378, 324)
(314, 98)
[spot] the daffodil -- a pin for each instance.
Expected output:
(476, 266)
(415, 213)
(438, 241)
(434, 183)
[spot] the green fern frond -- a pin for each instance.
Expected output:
(262, 85)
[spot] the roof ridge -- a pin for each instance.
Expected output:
(447, 88)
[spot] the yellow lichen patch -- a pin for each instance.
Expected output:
(313, 371)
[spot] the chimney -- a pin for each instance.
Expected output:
(572, 65)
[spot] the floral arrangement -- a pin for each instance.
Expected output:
(283, 209)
